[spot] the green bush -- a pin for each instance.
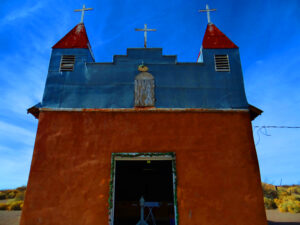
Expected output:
(269, 203)
(17, 205)
(3, 206)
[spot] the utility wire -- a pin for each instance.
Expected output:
(288, 127)
(263, 130)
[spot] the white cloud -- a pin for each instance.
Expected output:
(12, 132)
(22, 13)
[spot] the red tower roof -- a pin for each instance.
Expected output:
(76, 38)
(214, 38)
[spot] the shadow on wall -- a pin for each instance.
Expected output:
(282, 223)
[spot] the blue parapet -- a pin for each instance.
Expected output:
(177, 85)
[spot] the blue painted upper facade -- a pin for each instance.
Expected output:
(111, 85)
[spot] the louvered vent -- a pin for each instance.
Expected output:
(222, 63)
(67, 63)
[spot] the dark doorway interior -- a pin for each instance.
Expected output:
(151, 179)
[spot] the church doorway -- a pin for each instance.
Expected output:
(144, 190)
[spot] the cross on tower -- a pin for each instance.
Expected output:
(82, 11)
(145, 33)
(208, 13)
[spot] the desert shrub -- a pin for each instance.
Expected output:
(297, 197)
(269, 203)
(294, 190)
(288, 204)
(2, 196)
(9, 201)
(16, 205)
(11, 194)
(3, 206)
(20, 196)
(267, 186)
(282, 193)
(269, 191)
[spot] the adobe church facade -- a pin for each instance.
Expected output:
(177, 135)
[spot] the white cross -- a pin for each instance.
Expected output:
(208, 13)
(145, 33)
(82, 11)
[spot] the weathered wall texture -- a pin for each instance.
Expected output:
(218, 174)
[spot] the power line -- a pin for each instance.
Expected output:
(263, 130)
(282, 127)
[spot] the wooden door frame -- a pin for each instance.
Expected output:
(140, 156)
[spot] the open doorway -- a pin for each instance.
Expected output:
(145, 179)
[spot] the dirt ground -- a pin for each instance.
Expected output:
(274, 217)
(10, 217)
(277, 218)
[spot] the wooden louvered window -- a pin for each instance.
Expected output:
(222, 63)
(67, 63)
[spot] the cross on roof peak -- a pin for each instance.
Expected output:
(145, 33)
(82, 11)
(207, 10)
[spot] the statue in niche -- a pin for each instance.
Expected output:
(144, 88)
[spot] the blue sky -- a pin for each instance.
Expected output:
(267, 33)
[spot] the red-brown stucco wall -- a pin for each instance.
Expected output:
(217, 169)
